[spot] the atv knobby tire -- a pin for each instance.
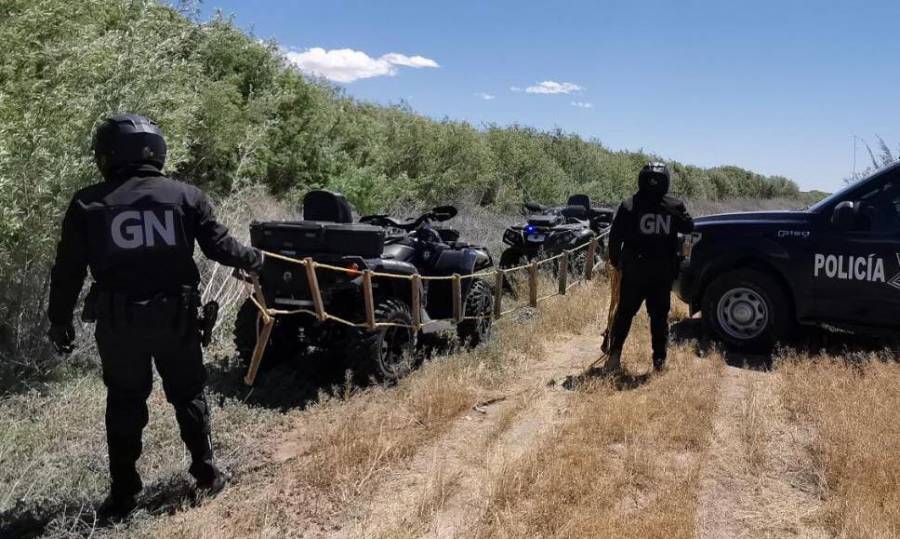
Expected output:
(284, 342)
(389, 351)
(479, 303)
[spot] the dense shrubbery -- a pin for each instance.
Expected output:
(235, 114)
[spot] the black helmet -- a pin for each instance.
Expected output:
(126, 141)
(653, 180)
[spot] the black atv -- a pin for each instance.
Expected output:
(378, 243)
(551, 230)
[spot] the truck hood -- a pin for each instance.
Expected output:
(752, 218)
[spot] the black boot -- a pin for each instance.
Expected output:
(117, 506)
(659, 364)
(209, 488)
(613, 362)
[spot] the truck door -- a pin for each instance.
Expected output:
(856, 267)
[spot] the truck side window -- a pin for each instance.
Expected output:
(879, 210)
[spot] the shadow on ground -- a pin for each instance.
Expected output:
(296, 383)
(620, 381)
(78, 518)
(804, 340)
(287, 385)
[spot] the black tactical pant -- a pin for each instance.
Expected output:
(127, 345)
(643, 280)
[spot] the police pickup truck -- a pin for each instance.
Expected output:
(755, 275)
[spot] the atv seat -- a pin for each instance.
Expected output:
(580, 200)
(322, 205)
(575, 212)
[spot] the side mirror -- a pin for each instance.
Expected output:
(844, 215)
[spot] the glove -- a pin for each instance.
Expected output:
(258, 265)
(63, 337)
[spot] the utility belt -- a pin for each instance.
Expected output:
(179, 312)
(634, 258)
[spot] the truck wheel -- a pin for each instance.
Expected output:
(480, 304)
(284, 343)
(391, 349)
(747, 309)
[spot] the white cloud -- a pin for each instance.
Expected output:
(396, 59)
(515, 89)
(348, 65)
(553, 87)
(583, 104)
(485, 96)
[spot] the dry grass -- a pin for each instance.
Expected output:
(753, 430)
(625, 464)
(341, 448)
(53, 452)
(851, 405)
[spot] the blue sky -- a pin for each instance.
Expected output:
(780, 87)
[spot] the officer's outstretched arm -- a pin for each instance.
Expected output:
(70, 267)
(217, 244)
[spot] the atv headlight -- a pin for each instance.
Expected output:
(688, 241)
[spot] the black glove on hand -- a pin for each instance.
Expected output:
(63, 337)
(260, 260)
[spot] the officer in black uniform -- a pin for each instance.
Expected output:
(136, 233)
(643, 244)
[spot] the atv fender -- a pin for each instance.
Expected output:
(461, 262)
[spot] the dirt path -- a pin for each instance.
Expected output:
(444, 487)
(755, 482)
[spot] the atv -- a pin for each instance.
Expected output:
(379, 243)
(551, 230)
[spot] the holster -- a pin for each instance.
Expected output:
(208, 322)
(188, 304)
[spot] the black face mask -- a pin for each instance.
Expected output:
(653, 186)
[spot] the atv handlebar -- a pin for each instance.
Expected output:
(440, 213)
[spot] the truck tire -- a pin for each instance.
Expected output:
(479, 303)
(284, 342)
(390, 350)
(747, 309)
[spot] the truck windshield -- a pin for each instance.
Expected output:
(834, 197)
(843, 193)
